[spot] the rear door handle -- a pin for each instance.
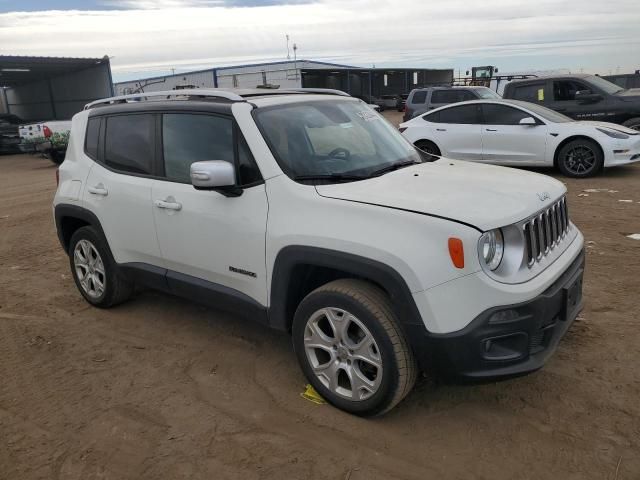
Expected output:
(441, 129)
(98, 190)
(168, 204)
(492, 129)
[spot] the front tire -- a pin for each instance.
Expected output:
(580, 158)
(429, 147)
(351, 348)
(94, 271)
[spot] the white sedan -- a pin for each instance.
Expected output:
(514, 133)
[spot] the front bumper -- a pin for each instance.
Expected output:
(508, 340)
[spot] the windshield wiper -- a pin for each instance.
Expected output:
(331, 176)
(392, 167)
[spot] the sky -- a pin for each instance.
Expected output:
(146, 37)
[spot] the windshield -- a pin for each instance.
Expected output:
(546, 113)
(332, 138)
(605, 85)
(484, 92)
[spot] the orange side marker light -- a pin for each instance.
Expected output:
(456, 252)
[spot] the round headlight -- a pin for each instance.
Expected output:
(492, 248)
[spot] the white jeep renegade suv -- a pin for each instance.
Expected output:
(305, 210)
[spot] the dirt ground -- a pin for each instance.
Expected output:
(162, 388)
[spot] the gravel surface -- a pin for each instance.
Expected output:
(162, 388)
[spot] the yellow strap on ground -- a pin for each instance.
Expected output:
(311, 395)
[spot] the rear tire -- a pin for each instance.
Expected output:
(633, 123)
(95, 271)
(580, 158)
(351, 348)
(429, 147)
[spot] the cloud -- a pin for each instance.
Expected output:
(163, 4)
(513, 34)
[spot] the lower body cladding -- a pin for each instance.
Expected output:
(508, 340)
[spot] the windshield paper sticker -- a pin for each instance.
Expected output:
(368, 115)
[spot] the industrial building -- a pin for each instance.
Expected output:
(51, 88)
(365, 82)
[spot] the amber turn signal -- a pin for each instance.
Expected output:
(456, 252)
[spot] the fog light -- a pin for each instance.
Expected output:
(506, 347)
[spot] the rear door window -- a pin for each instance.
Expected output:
(129, 143)
(533, 92)
(445, 96)
(494, 114)
(419, 97)
(463, 114)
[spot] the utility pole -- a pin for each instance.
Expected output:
(288, 54)
(295, 59)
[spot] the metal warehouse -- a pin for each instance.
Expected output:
(292, 74)
(51, 88)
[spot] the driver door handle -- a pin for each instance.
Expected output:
(98, 190)
(168, 205)
(441, 129)
(492, 129)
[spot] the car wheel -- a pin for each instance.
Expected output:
(633, 123)
(94, 270)
(56, 157)
(428, 146)
(580, 158)
(351, 348)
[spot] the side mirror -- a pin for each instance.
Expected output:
(216, 175)
(587, 96)
(528, 121)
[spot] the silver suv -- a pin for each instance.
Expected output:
(422, 100)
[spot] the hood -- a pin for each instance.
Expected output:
(482, 196)
(610, 126)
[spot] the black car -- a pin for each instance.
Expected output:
(582, 97)
(9, 135)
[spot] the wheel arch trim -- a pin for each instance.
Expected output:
(290, 257)
(65, 210)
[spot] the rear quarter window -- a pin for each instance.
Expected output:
(419, 97)
(92, 137)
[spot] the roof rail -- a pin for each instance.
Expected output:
(322, 91)
(187, 92)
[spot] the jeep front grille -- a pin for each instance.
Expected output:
(545, 231)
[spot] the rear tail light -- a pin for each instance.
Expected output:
(57, 177)
(47, 131)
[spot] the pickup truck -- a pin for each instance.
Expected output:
(581, 97)
(50, 138)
